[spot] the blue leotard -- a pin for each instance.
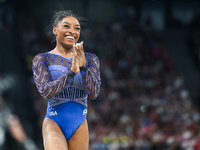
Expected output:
(66, 91)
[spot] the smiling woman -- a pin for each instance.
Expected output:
(65, 77)
(67, 32)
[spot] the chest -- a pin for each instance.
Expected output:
(57, 71)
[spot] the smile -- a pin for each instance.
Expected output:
(70, 37)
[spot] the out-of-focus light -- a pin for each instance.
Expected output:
(2, 1)
(143, 108)
(6, 83)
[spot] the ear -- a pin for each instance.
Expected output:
(55, 30)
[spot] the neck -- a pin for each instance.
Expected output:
(64, 51)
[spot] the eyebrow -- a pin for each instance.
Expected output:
(69, 23)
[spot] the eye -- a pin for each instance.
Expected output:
(66, 26)
(78, 28)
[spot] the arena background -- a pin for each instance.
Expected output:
(150, 57)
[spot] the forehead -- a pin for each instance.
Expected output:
(70, 20)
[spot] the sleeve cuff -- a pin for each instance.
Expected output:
(71, 73)
(84, 68)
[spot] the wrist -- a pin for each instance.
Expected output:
(83, 64)
(74, 70)
(83, 68)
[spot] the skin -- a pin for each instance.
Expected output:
(53, 137)
(67, 47)
(16, 128)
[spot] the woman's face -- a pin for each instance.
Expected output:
(67, 31)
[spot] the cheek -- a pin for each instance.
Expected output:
(78, 34)
(59, 32)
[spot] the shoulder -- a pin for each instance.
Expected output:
(41, 57)
(91, 56)
(92, 59)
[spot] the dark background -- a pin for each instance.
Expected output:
(150, 55)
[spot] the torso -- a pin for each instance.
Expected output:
(58, 66)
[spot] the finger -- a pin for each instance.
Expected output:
(78, 48)
(74, 46)
(77, 58)
(74, 61)
(74, 54)
(82, 50)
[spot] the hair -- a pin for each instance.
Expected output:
(57, 17)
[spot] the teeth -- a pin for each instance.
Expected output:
(70, 37)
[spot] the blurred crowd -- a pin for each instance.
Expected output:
(194, 38)
(12, 131)
(143, 103)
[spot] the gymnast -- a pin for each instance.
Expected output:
(65, 77)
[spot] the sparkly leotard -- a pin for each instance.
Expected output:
(66, 91)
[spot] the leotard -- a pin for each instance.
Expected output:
(66, 91)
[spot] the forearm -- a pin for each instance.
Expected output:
(45, 84)
(91, 79)
(47, 88)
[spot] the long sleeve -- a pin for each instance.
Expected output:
(91, 75)
(43, 80)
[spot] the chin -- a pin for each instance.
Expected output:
(69, 43)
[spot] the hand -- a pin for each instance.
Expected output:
(79, 57)
(16, 129)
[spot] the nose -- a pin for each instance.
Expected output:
(71, 30)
